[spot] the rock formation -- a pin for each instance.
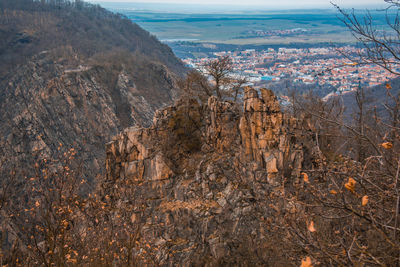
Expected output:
(197, 182)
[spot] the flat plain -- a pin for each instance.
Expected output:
(238, 27)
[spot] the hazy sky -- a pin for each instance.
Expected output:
(283, 3)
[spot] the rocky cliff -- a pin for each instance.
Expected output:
(46, 104)
(73, 74)
(197, 183)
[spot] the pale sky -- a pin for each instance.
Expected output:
(283, 3)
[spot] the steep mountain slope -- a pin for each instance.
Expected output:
(74, 74)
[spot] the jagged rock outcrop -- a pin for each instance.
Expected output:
(197, 182)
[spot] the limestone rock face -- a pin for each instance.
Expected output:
(264, 139)
(198, 181)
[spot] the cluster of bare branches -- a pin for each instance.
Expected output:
(59, 224)
(346, 208)
(345, 211)
(215, 78)
(379, 46)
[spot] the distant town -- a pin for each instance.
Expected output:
(264, 33)
(307, 66)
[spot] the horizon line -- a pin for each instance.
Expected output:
(251, 6)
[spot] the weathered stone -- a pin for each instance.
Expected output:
(215, 195)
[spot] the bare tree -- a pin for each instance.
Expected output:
(347, 208)
(195, 84)
(219, 69)
(238, 85)
(379, 47)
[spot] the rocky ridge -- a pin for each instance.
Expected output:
(197, 182)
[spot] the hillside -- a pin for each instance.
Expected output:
(216, 183)
(29, 27)
(375, 100)
(74, 74)
(99, 168)
(195, 189)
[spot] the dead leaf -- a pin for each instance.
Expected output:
(351, 185)
(364, 200)
(387, 145)
(333, 192)
(305, 177)
(311, 227)
(306, 262)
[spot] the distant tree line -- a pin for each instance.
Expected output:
(29, 27)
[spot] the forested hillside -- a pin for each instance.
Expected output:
(28, 27)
